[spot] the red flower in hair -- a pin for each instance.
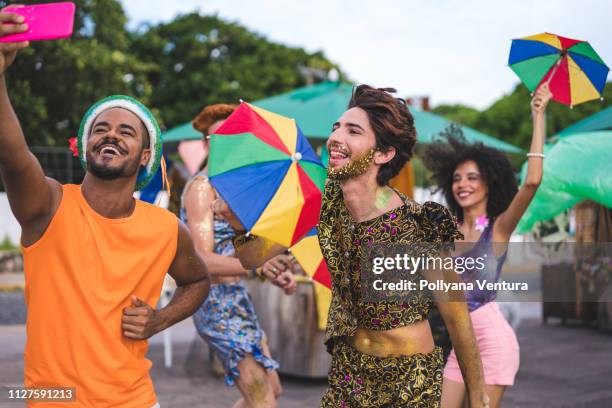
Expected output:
(73, 146)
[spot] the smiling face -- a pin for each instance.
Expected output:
(352, 147)
(352, 136)
(116, 146)
(469, 187)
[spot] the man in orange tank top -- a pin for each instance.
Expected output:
(95, 258)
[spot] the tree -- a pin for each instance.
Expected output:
(203, 60)
(462, 114)
(509, 118)
(53, 83)
(174, 68)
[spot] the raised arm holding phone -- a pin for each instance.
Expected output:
(94, 257)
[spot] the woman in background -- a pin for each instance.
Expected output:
(227, 320)
(480, 188)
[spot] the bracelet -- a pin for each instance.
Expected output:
(541, 155)
(242, 239)
(256, 273)
(259, 273)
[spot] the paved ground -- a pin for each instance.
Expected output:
(560, 367)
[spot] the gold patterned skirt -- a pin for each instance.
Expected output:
(358, 380)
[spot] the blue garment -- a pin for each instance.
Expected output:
(482, 248)
(149, 192)
(226, 320)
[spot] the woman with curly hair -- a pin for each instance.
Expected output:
(481, 190)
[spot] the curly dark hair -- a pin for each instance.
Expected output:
(392, 123)
(443, 156)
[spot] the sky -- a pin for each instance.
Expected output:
(454, 51)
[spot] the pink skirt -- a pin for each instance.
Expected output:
(498, 346)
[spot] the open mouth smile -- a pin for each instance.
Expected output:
(110, 150)
(337, 153)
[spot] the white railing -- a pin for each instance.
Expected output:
(9, 228)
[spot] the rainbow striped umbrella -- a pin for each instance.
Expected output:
(308, 254)
(572, 68)
(266, 171)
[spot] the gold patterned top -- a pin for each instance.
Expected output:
(345, 243)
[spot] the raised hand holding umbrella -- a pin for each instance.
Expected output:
(573, 70)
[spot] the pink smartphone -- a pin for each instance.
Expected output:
(49, 21)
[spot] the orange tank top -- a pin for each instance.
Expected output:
(79, 276)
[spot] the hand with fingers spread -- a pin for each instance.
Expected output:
(540, 99)
(139, 321)
(10, 23)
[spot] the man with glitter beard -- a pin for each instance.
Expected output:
(383, 353)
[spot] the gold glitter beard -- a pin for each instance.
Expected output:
(353, 168)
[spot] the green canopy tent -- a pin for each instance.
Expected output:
(576, 168)
(600, 121)
(317, 107)
(180, 133)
